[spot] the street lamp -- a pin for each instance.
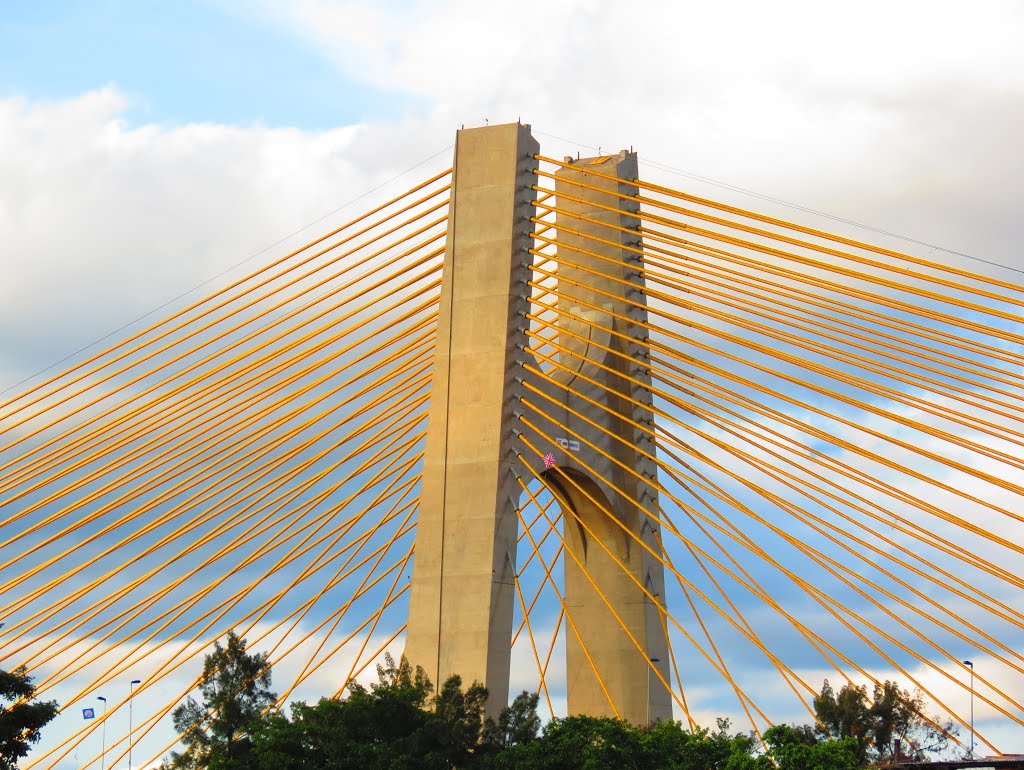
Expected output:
(968, 663)
(103, 753)
(130, 695)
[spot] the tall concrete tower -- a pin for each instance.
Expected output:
(460, 617)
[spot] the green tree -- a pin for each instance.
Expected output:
(891, 724)
(395, 723)
(790, 750)
(901, 727)
(22, 720)
(588, 743)
(844, 715)
(235, 690)
(517, 724)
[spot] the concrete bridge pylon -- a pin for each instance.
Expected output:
(463, 580)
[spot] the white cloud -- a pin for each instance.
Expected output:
(101, 222)
(886, 114)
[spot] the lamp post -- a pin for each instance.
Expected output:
(131, 687)
(103, 732)
(969, 663)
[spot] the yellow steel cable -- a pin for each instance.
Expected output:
(291, 474)
(193, 401)
(256, 416)
(922, 382)
(263, 548)
(663, 558)
(813, 455)
(938, 316)
(679, 679)
(219, 293)
(206, 388)
(692, 264)
(533, 642)
(552, 524)
(691, 288)
(213, 712)
(861, 405)
(292, 413)
(944, 545)
(807, 428)
(672, 398)
(633, 472)
(342, 571)
(747, 581)
(150, 723)
(548, 342)
(721, 661)
(221, 526)
(625, 571)
(756, 590)
(547, 577)
(373, 627)
(729, 427)
(853, 292)
(282, 561)
(247, 441)
(547, 532)
(920, 310)
(233, 285)
(551, 649)
(648, 248)
(378, 651)
(819, 595)
(292, 494)
(766, 598)
(745, 267)
(798, 582)
(753, 585)
(803, 516)
(252, 418)
(229, 602)
(815, 592)
(525, 564)
(184, 324)
(403, 528)
(294, 430)
(795, 227)
(831, 352)
(335, 617)
(565, 608)
(668, 260)
(168, 708)
(382, 282)
(761, 233)
(219, 336)
(298, 357)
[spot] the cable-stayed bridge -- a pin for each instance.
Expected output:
(655, 455)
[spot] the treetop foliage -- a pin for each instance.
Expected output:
(21, 720)
(401, 722)
(235, 689)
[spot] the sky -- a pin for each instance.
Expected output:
(147, 148)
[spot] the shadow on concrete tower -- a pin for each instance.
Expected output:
(463, 583)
